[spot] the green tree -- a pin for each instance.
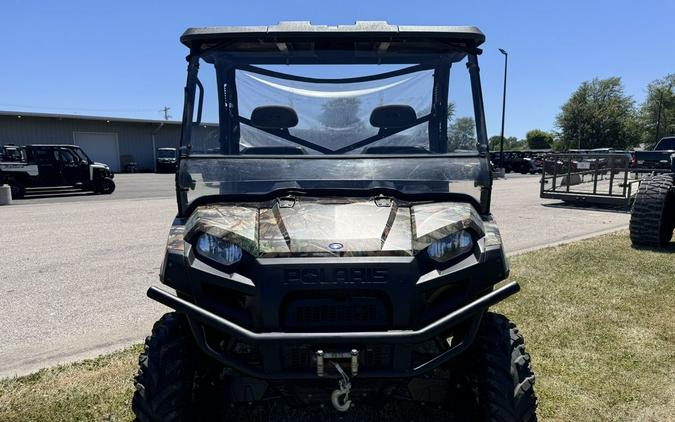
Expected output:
(658, 111)
(451, 111)
(462, 134)
(340, 112)
(511, 143)
(598, 115)
(539, 139)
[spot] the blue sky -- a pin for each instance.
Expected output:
(123, 58)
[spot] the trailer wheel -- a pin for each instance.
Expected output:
(499, 373)
(105, 186)
(171, 375)
(653, 217)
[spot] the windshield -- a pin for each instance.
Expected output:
(334, 118)
(666, 144)
(80, 154)
(408, 127)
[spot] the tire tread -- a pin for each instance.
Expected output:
(505, 381)
(652, 217)
(164, 382)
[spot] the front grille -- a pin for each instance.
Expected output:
(351, 313)
(360, 312)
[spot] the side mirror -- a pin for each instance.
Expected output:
(274, 117)
(393, 117)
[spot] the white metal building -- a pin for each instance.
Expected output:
(111, 140)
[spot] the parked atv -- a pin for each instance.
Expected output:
(334, 250)
(49, 165)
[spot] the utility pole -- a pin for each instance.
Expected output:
(501, 142)
(658, 114)
(165, 110)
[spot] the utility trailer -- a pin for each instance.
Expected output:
(589, 177)
(616, 179)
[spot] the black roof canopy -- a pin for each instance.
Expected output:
(287, 39)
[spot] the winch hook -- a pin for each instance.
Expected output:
(340, 400)
(340, 397)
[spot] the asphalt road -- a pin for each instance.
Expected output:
(129, 186)
(528, 222)
(74, 268)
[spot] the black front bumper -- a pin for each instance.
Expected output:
(200, 317)
(268, 317)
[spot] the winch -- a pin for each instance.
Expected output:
(340, 397)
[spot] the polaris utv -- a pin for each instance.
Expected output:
(52, 165)
(337, 248)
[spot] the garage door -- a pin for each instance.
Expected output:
(101, 147)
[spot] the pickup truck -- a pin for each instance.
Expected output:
(662, 157)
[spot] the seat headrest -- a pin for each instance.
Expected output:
(274, 117)
(393, 116)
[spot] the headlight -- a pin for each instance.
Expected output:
(217, 249)
(451, 246)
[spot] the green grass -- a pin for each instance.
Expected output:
(97, 389)
(599, 321)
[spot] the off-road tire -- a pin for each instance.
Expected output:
(105, 186)
(18, 189)
(500, 373)
(653, 217)
(171, 368)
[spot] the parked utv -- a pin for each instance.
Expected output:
(166, 160)
(336, 249)
(652, 219)
(49, 165)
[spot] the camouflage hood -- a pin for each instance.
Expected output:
(328, 226)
